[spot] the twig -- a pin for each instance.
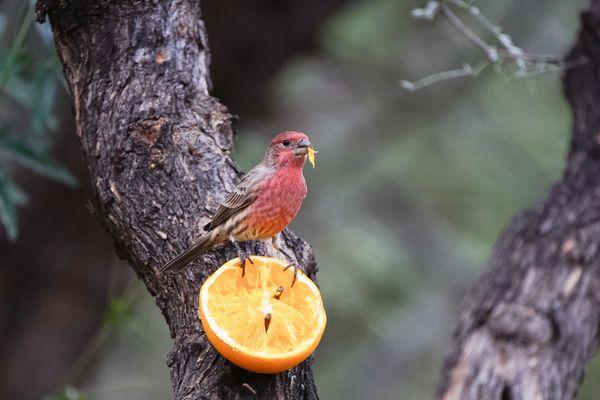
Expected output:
(466, 70)
(509, 51)
(527, 64)
(490, 51)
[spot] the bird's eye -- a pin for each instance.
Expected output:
(286, 143)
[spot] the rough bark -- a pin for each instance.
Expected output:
(38, 303)
(158, 148)
(530, 324)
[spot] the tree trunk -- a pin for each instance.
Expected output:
(530, 324)
(158, 148)
(46, 323)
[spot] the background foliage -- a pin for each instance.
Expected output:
(409, 194)
(28, 85)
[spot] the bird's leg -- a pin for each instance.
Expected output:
(291, 261)
(242, 255)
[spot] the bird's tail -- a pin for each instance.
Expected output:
(189, 255)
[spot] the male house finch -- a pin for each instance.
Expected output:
(264, 202)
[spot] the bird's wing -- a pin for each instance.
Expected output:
(237, 200)
(240, 198)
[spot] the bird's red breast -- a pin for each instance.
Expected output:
(278, 202)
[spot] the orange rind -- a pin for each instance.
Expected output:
(260, 322)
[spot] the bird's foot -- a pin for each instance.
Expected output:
(296, 268)
(243, 258)
(291, 264)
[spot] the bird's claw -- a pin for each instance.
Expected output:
(242, 256)
(291, 264)
(296, 268)
(243, 259)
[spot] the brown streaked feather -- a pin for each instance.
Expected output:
(224, 213)
(240, 198)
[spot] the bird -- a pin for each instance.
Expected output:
(262, 204)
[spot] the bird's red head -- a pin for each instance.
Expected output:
(288, 149)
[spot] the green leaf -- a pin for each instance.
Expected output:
(33, 154)
(2, 23)
(43, 91)
(37, 95)
(8, 212)
(19, 90)
(69, 393)
(118, 313)
(12, 61)
(17, 196)
(119, 310)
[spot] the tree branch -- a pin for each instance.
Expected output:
(158, 148)
(530, 324)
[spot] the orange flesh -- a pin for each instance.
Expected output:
(311, 156)
(233, 311)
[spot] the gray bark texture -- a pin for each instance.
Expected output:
(36, 286)
(530, 324)
(158, 149)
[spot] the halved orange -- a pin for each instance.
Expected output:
(260, 322)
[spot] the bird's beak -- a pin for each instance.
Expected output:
(302, 147)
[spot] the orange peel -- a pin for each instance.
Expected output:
(260, 322)
(311, 156)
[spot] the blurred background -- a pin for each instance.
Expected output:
(408, 196)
